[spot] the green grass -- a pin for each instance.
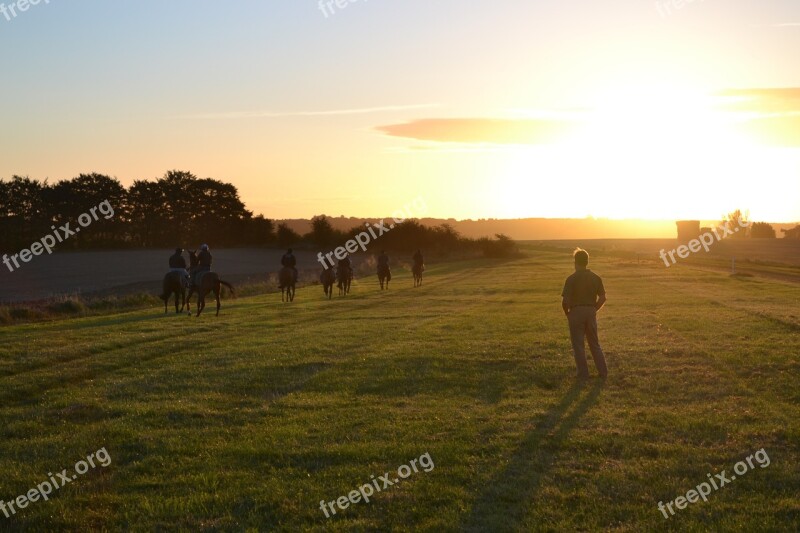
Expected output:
(248, 420)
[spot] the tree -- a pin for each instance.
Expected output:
(286, 235)
(260, 231)
(737, 223)
(69, 199)
(322, 232)
(762, 230)
(24, 214)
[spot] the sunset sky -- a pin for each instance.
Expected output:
(617, 109)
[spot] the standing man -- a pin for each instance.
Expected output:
(583, 296)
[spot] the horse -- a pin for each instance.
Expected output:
(209, 281)
(327, 279)
(417, 270)
(173, 284)
(286, 282)
(384, 275)
(344, 276)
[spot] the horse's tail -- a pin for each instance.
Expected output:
(233, 291)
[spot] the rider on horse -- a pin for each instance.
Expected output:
(345, 266)
(178, 264)
(204, 260)
(289, 260)
(383, 262)
(419, 262)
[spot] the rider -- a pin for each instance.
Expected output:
(289, 260)
(178, 264)
(418, 260)
(345, 265)
(204, 260)
(383, 262)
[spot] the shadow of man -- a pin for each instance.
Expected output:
(508, 495)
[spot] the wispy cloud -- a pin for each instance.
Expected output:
(316, 113)
(480, 130)
(761, 101)
(787, 25)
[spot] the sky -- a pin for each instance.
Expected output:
(485, 109)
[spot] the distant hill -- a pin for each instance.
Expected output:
(535, 228)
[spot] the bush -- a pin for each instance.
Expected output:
(69, 306)
(26, 313)
(502, 247)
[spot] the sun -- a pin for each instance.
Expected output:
(650, 152)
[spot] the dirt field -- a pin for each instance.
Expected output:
(122, 272)
(126, 271)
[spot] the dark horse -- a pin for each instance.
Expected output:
(384, 275)
(417, 270)
(173, 284)
(344, 276)
(327, 279)
(209, 281)
(287, 284)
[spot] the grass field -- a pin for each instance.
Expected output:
(249, 420)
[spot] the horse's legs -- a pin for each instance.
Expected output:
(201, 302)
(216, 293)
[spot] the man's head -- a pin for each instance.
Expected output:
(204, 247)
(581, 258)
(178, 251)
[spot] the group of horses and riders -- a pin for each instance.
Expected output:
(198, 277)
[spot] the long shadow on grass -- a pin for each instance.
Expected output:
(503, 504)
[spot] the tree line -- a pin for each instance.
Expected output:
(181, 209)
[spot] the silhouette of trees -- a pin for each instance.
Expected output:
(183, 210)
(177, 210)
(322, 232)
(734, 222)
(24, 213)
(286, 236)
(762, 230)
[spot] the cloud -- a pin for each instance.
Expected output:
(481, 130)
(277, 114)
(762, 101)
(787, 25)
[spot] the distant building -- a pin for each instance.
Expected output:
(688, 230)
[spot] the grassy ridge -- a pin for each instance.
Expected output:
(248, 420)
